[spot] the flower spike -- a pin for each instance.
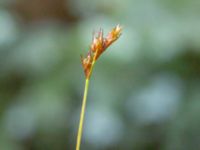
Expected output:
(98, 46)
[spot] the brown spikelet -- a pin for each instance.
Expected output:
(87, 63)
(113, 35)
(98, 46)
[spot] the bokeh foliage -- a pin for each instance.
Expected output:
(145, 90)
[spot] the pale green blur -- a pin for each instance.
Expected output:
(144, 93)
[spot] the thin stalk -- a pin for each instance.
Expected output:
(80, 129)
(82, 115)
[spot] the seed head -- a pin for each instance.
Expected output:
(98, 46)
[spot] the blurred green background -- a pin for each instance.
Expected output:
(145, 89)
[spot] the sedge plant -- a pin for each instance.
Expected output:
(98, 46)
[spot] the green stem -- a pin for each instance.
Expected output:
(80, 129)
